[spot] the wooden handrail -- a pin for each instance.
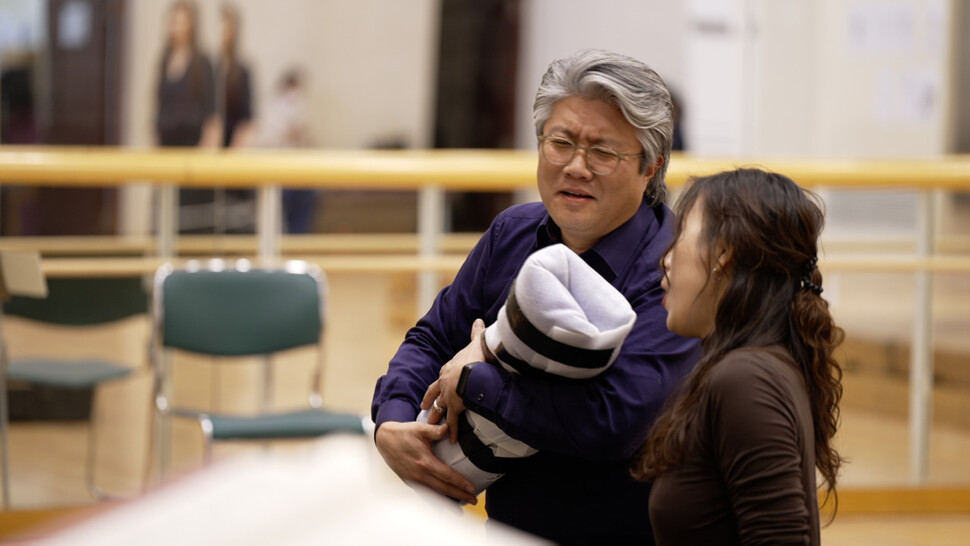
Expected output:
(376, 243)
(369, 263)
(482, 170)
(895, 264)
(448, 264)
(317, 243)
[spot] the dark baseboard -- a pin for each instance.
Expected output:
(33, 403)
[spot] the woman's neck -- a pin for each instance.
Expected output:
(178, 61)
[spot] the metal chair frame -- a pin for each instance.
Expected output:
(161, 355)
(92, 437)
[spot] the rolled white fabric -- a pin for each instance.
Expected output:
(562, 318)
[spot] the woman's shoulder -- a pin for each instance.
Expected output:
(743, 367)
(756, 382)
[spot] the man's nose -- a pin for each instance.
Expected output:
(579, 165)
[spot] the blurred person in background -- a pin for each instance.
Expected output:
(285, 125)
(233, 83)
(235, 208)
(186, 111)
(185, 107)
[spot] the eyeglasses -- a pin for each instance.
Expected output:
(599, 159)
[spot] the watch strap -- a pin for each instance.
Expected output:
(463, 379)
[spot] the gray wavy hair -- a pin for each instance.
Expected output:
(630, 85)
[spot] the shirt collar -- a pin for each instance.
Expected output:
(547, 233)
(612, 253)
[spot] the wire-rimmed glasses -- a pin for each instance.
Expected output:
(601, 160)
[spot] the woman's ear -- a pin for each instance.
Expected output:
(724, 256)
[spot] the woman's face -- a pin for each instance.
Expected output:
(228, 31)
(180, 26)
(691, 284)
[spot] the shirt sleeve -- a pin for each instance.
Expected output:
(758, 450)
(603, 418)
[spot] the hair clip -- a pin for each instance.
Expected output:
(810, 268)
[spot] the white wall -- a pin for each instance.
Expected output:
(650, 30)
(757, 77)
(846, 77)
(782, 99)
(22, 25)
(369, 65)
(887, 78)
(720, 76)
(827, 78)
(830, 78)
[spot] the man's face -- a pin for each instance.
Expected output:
(586, 205)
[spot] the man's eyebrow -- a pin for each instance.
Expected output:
(561, 131)
(604, 141)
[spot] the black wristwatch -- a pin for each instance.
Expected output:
(463, 378)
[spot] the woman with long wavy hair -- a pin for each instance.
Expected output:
(733, 456)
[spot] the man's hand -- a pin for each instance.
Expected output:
(406, 448)
(442, 392)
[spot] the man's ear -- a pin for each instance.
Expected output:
(652, 169)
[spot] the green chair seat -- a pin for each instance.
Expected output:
(297, 424)
(76, 374)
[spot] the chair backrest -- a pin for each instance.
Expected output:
(83, 301)
(234, 310)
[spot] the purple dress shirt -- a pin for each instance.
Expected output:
(578, 489)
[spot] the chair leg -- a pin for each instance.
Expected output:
(162, 434)
(92, 457)
(156, 460)
(206, 424)
(4, 418)
(164, 444)
(150, 450)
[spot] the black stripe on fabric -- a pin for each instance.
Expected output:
(546, 346)
(480, 454)
(521, 366)
(524, 368)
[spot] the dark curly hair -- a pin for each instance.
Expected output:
(771, 226)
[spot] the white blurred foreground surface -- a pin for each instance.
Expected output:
(334, 492)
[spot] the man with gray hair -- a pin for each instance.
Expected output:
(604, 128)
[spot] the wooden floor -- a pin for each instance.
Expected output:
(368, 316)
(899, 530)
